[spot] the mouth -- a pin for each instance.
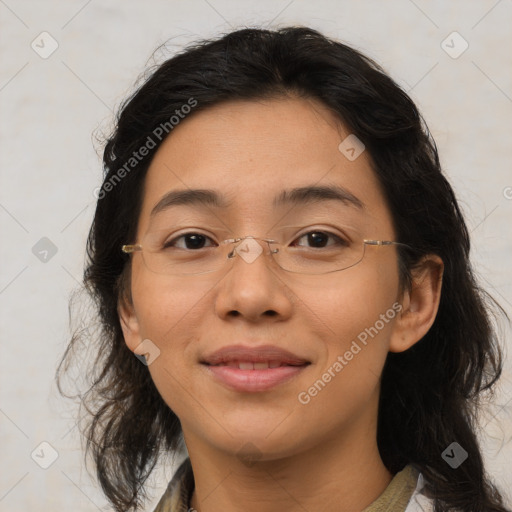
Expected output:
(258, 369)
(252, 365)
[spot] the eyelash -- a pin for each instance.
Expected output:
(339, 239)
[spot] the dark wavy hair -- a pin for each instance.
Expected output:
(430, 394)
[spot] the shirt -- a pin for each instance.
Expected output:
(403, 494)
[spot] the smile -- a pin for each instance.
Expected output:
(252, 369)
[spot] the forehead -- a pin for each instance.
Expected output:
(252, 151)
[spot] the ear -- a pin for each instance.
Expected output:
(419, 304)
(129, 325)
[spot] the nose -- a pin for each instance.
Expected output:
(253, 288)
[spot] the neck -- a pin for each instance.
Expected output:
(348, 472)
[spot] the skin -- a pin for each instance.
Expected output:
(324, 452)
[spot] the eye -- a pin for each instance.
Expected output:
(188, 241)
(319, 239)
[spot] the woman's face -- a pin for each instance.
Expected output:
(338, 326)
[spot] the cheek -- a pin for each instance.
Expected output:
(170, 312)
(166, 305)
(353, 300)
(358, 309)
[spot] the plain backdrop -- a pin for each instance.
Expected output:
(51, 104)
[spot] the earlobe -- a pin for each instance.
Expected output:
(129, 325)
(420, 304)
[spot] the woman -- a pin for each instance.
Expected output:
(281, 273)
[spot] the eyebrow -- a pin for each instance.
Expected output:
(300, 195)
(316, 194)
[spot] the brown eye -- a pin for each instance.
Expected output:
(188, 241)
(320, 239)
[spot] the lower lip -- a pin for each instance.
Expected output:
(254, 380)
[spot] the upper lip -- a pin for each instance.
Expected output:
(259, 354)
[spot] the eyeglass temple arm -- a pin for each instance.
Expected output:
(379, 242)
(384, 242)
(131, 248)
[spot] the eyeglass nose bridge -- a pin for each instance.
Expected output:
(250, 252)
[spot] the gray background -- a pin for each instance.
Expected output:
(50, 108)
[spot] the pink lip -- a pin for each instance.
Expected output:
(221, 364)
(251, 381)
